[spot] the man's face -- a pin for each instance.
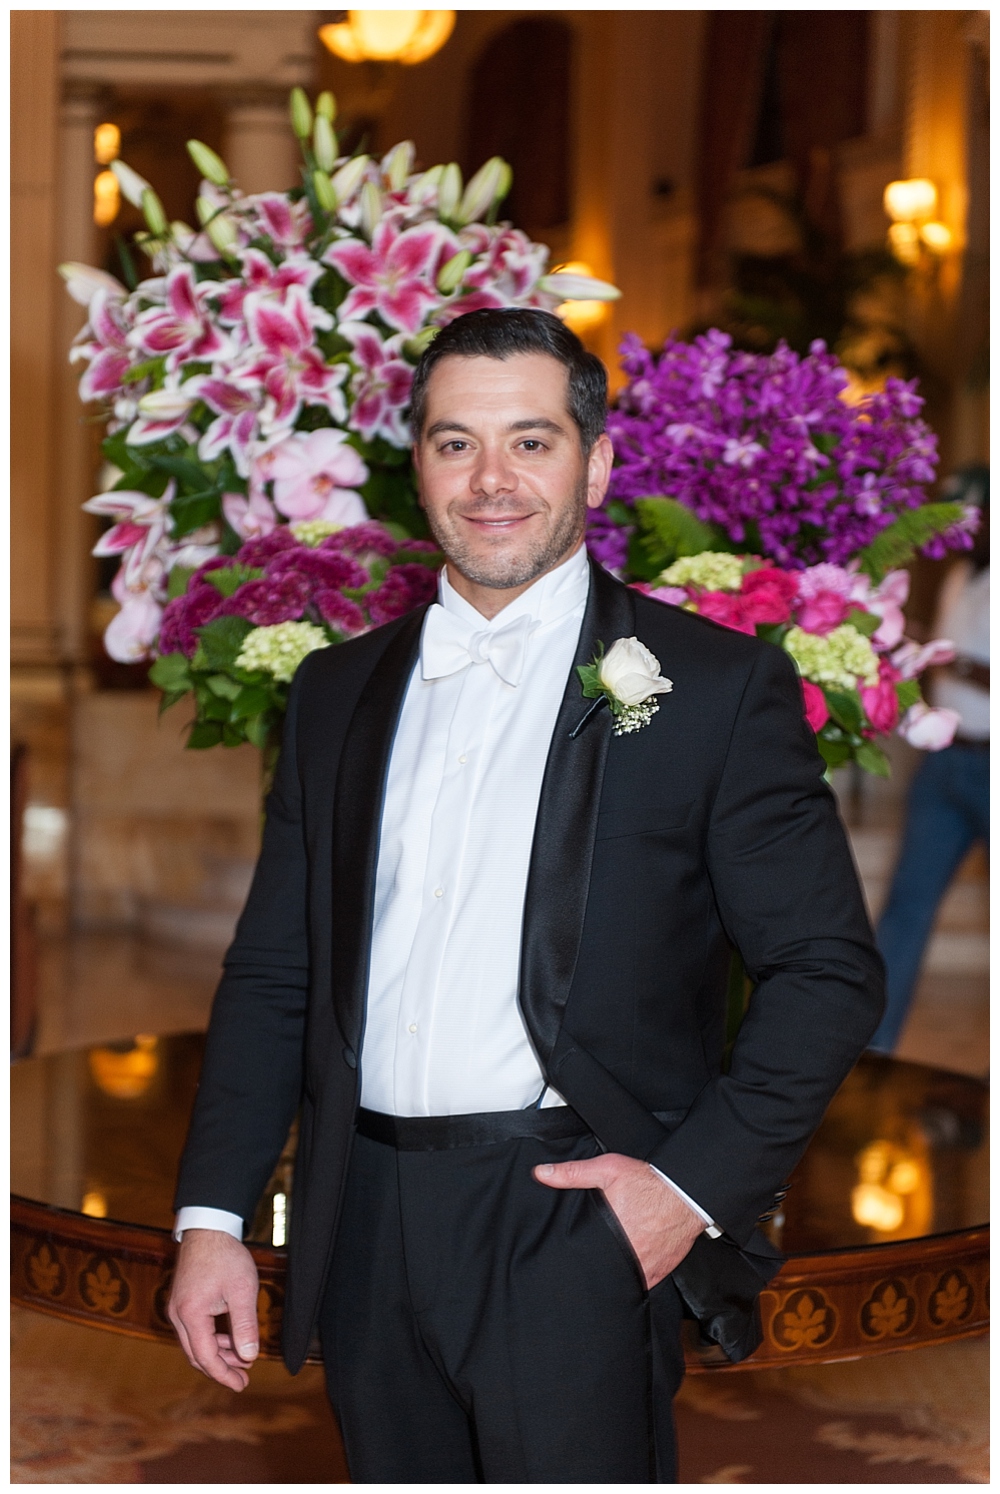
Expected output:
(503, 479)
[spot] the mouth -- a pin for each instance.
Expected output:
(497, 523)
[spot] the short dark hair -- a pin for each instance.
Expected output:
(504, 332)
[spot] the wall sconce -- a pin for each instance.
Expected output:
(580, 316)
(911, 205)
(407, 36)
(107, 144)
(107, 194)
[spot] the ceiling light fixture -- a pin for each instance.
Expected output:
(407, 36)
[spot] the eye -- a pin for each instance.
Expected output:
(455, 445)
(532, 443)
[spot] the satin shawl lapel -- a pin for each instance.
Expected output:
(357, 818)
(563, 847)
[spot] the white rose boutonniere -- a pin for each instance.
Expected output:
(628, 677)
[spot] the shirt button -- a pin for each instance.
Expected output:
(413, 1027)
(439, 892)
(463, 758)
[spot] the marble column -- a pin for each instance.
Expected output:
(261, 151)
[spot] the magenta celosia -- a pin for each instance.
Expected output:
(405, 587)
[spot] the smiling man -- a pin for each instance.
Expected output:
(486, 950)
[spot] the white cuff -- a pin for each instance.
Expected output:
(711, 1228)
(197, 1218)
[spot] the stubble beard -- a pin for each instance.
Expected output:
(501, 571)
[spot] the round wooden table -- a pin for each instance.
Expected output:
(884, 1225)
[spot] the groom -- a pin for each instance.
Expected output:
(485, 951)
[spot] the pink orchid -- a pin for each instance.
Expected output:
(131, 633)
(393, 277)
(929, 727)
(912, 658)
(107, 350)
(286, 361)
(315, 474)
(381, 387)
(887, 602)
(250, 515)
(259, 274)
(817, 711)
(234, 429)
(286, 223)
(183, 329)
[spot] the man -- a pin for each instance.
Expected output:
(502, 930)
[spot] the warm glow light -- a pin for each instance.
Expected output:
(125, 1075)
(107, 144)
(580, 316)
(937, 237)
(904, 241)
(910, 201)
(279, 1219)
(876, 1207)
(95, 1205)
(107, 198)
(407, 36)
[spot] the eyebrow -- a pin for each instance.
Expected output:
(532, 423)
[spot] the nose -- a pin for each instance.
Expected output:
(493, 475)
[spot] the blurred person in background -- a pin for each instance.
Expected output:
(948, 803)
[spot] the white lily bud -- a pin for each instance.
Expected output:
(212, 167)
(152, 211)
(453, 272)
(326, 105)
(481, 192)
(204, 207)
(325, 195)
(131, 183)
(450, 191)
(425, 186)
(505, 183)
(223, 233)
(83, 282)
(324, 143)
(371, 208)
(165, 404)
(398, 164)
(346, 181)
(301, 113)
(578, 287)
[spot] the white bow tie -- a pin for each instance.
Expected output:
(449, 644)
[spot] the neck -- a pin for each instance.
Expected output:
(491, 600)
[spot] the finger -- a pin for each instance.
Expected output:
(592, 1172)
(207, 1357)
(245, 1335)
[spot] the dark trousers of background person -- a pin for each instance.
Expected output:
(479, 1327)
(947, 811)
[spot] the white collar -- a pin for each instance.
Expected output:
(552, 596)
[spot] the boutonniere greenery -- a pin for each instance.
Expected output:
(627, 677)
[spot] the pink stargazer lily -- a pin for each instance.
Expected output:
(141, 522)
(259, 274)
(106, 349)
(381, 387)
(286, 223)
(285, 360)
(235, 427)
(182, 330)
(161, 413)
(393, 277)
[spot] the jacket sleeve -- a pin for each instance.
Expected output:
(789, 900)
(252, 1071)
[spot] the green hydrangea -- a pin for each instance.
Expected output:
(840, 658)
(279, 650)
(312, 532)
(712, 570)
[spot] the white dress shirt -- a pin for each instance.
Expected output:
(444, 1034)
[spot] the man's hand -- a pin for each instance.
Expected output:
(660, 1226)
(216, 1275)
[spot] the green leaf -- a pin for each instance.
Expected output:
(233, 736)
(590, 679)
(251, 701)
(171, 673)
(205, 734)
(190, 475)
(178, 580)
(171, 698)
(191, 511)
(907, 693)
(223, 686)
(257, 730)
(863, 622)
(212, 707)
(152, 368)
(670, 530)
(834, 753)
(227, 581)
(871, 757)
(903, 538)
(846, 709)
(221, 641)
(772, 632)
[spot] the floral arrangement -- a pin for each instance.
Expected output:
(258, 382)
(747, 489)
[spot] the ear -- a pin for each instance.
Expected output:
(599, 464)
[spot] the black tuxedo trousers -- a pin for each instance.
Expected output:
(654, 854)
(480, 1327)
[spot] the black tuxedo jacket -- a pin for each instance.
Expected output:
(653, 853)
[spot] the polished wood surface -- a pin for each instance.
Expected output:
(884, 1225)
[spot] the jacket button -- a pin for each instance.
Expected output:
(349, 1058)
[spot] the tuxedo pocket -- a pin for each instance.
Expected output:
(643, 819)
